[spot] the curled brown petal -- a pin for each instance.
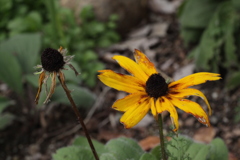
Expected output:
(40, 82)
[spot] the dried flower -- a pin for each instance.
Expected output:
(53, 61)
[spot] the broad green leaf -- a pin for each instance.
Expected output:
(10, 70)
(156, 151)
(201, 153)
(194, 149)
(124, 148)
(197, 13)
(82, 96)
(148, 156)
(218, 150)
(73, 153)
(32, 79)
(108, 156)
(5, 120)
(4, 102)
(82, 141)
(25, 47)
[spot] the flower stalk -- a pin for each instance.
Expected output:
(161, 137)
(80, 119)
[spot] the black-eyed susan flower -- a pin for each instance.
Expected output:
(53, 61)
(148, 90)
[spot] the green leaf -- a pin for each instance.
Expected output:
(5, 5)
(197, 14)
(218, 150)
(87, 13)
(178, 146)
(33, 21)
(236, 4)
(82, 141)
(229, 19)
(17, 25)
(82, 96)
(148, 156)
(108, 156)
(32, 79)
(4, 102)
(212, 39)
(191, 35)
(25, 47)
(5, 120)
(113, 17)
(194, 149)
(156, 151)
(10, 70)
(201, 153)
(73, 153)
(124, 148)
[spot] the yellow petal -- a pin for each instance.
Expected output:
(163, 104)
(130, 101)
(146, 65)
(132, 67)
(135, 114)
(192, 108)
(181, 93)
(153, 108)
(121, 82)
(194, 79)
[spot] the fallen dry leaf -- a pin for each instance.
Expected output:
(205, 134)
(149, 142)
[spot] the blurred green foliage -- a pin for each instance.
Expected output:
(214, 26)
(5, 117)
(18, 55)
(179, 148)
(27, 27)
(59, 27)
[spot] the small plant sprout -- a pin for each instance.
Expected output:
(53, 61)
(148, 90)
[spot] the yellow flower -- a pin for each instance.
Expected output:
(148, 90)
(53, 61)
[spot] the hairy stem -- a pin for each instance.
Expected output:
(74, 107)
(160, 125)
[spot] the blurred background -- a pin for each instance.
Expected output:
(180, 37)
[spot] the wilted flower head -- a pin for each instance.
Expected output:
(53, 61)
(148, 90)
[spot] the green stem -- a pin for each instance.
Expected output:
(55, 21)
(80, 119)
(160, 125)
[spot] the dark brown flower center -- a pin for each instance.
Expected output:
(156, 86)
(52, 60)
